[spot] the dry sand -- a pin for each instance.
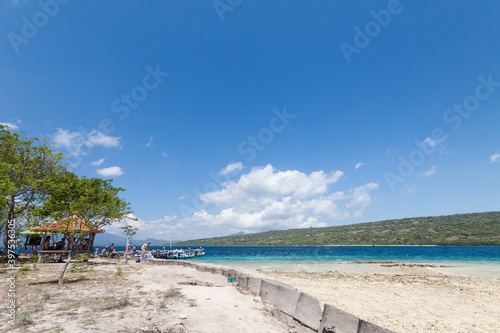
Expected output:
(143, 296)
(407, 299)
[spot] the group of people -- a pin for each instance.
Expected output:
(110, 252)
(48, 244)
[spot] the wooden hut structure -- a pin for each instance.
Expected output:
(74, 226)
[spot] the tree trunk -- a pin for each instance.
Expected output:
(72, 246)
(70, 256)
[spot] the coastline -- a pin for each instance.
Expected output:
(401, 298)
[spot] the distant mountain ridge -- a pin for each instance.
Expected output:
(106, 238)
(459, 229)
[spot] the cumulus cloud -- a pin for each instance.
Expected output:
(430, 172)
(98, 162)
(265, 183)
(358, 165)
(80, 143)
(265, 198)
(495, 158)
(150, 143)
(231, 168)
(10, 125)
(113, 171)
(182, 197)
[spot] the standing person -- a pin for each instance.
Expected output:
(134, 250)
(111, 247)
(144, 249)
(96, 250)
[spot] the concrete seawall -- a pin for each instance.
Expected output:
(290, 305)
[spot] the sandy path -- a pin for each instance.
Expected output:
(407, 299)
(142, 296)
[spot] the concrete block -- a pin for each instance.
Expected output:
(186, 264)
(253, 285)
(308, 311)
(201, 268)
(287, 299)
(268, 291)
(367, 327)
(342, 321)
(282, 316)
(193, 265)
(242, 281)
(300, 328)
(231, 273)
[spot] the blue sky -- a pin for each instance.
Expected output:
(227, 116)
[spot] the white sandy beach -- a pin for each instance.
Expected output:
(406, 299)
(150, 298)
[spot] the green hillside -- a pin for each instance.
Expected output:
(460, 229)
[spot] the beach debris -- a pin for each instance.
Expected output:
(182, 316)
(193, 282)
(375, 262)
(409, 265)
(177, 328)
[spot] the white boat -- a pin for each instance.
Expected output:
(179, 253)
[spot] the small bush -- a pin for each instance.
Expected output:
(23, 270)
(24, 318)
(172, 292)
(74, 268)
(119, 271)
(110, 304)
(83, 257)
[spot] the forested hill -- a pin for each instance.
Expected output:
(460, 229)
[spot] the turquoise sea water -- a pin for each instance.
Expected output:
(470, 260)
(474, 260)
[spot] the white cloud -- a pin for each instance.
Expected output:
(96, 138)
(181, 197)
(266, 183)
(495, 158)
(150, 143)
(10, 125)
(165, 155)
(231, 168)
(265, 198)
(98, 162)
(167, 218)
(79, 144)
(358, 165)
(113, 171)
(430, 172)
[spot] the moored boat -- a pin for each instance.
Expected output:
(178, 253)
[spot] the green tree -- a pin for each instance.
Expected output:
(27, 168)
(93, 201)
(128, 231)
